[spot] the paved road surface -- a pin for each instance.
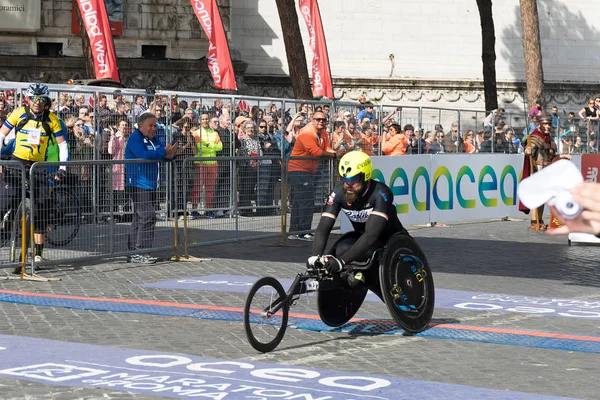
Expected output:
(518, 317)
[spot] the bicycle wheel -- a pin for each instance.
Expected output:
(16, 237)
(407, 284)
(65, 221)
(263, 323)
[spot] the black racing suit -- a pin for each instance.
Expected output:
(373, 215)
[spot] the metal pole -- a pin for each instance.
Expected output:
(185, 227)
(111, 201)
(419, 138)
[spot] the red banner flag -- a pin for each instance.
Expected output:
(322, 85)
(97, 27)
(219, 59)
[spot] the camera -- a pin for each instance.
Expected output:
(566, 206)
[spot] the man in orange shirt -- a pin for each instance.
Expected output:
(312, 141)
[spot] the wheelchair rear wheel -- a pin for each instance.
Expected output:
(407, 284)
(266, 314)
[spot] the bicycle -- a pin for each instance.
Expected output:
(64, 216)
(405, 285)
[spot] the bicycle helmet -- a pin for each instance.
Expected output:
(38, 90)
(356, 164)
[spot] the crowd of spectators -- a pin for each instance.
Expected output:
(99, 129)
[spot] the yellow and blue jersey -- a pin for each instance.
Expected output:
(31, 141)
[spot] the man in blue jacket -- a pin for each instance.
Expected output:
(142, 181)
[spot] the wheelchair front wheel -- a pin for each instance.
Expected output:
(266, 314)
(407, 284)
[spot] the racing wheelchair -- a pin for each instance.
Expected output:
(397, 272)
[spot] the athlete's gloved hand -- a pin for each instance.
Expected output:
(61, 174)
(333, 265)
(310, 263)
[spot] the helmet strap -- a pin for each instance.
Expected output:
(367, 186)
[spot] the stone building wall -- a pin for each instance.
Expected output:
(145, 22)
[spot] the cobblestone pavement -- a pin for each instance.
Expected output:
(486, 256)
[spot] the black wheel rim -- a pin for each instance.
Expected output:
(264, 325)
(407, 284)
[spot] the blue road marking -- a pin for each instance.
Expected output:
(444, 298)
(567, 342)
(183, 376)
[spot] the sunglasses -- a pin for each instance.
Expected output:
(320, 119)
(79, 124)
(262, 127)
(352, 180)
(35, 99)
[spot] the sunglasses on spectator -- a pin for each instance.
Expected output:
(79, 124)
(263, 127)
(35, 99)
(320, 119)
(185, 127)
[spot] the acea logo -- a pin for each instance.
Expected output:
(447, 189)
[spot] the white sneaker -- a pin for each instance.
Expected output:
(38, 259)
(307, 237)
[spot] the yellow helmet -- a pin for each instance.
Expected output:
(354, 163)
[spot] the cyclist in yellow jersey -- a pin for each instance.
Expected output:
(35, 127)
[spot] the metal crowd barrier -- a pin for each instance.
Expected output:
(83, 220)
(205, 201)
(13, 208)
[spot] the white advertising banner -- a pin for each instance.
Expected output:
(446, 188)
(408, 178)
(20, 16)
(474, 186)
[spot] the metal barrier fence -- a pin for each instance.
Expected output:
(13, 208)
(75, 228)
(205, 200)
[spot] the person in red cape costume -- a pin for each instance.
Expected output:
(540, 152)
